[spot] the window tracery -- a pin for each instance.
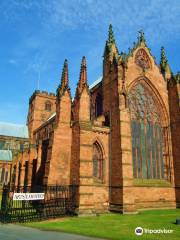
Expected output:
(147, 134)
(142, 59)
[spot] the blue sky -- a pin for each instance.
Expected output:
(37, 35)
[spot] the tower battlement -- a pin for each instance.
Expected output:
(43, 94)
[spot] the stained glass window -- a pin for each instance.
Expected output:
(147, 136)
(142, 59)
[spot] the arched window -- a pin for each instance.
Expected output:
(98, 105)
(97, 162)
(48, 106)
(147, 134)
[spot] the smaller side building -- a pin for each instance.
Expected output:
(5, 166)
(13, 140)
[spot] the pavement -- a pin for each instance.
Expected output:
(16, 232)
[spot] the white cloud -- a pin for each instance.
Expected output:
(157, 15)
(12, 61)
(158, 18)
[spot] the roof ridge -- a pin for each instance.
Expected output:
(96, 82)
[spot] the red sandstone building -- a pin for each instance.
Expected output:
(118, 140)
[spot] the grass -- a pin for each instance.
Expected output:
(117, 226)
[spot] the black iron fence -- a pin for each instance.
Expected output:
(58, 201)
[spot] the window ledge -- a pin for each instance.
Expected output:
(152, 183)
(98, 181)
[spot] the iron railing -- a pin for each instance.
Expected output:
(58, 201)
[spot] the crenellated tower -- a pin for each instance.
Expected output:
(41, 106)
(116, 139)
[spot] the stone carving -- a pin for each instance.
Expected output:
(142, 59)
(142, 105)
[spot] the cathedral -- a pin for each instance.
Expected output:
(117, 140)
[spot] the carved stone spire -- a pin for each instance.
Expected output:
(111, 35)
(83, 76)
(83, 72)
(164, 66)
(163, 61)
(110, 46)
(141, 37)
(64, 79)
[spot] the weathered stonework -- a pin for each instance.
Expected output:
(90, 142)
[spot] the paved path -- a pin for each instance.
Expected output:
(15, 232)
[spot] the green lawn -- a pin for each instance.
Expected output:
(117, 226)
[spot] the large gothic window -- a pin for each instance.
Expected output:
(97, 162)
(147, 136)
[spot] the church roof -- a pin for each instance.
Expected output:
(13, 130)
(5, 155)
(51, 116)
(90, 87)
(95, 82)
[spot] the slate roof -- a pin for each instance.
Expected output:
(95, 82)
(13, 130)
(51, 116)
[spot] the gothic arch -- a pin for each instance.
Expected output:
(161, 106)
(98, 140)
(142, 59)
(149, 127)
(98, 162)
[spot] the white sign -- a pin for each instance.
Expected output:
(28, 196)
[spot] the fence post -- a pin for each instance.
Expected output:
(4, 202)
